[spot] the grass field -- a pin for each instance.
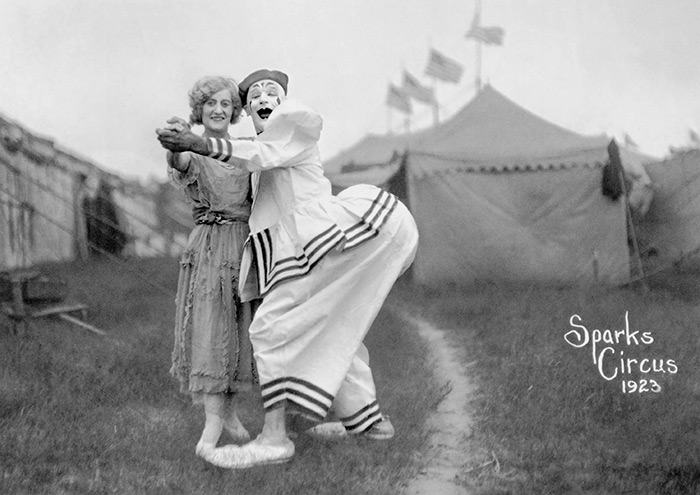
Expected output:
(550, 419)
(82, 413)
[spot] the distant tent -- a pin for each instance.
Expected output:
(671, 228)
(37, 224)
(174, 216)
(501, 194)
(50, 209)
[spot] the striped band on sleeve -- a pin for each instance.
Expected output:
(219, 149)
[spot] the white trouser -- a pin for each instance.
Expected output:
(307, 334)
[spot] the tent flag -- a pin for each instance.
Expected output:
(396, 98)
(413, 88)
(491, 35)
(443, 68)
(694, 139)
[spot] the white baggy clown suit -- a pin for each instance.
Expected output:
(323, 265)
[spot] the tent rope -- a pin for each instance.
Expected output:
(103, 221)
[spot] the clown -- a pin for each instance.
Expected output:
(323, 265)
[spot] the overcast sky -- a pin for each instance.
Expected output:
(98, 76)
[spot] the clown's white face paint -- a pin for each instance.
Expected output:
(263, 97)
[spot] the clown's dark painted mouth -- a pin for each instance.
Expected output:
(264, 113)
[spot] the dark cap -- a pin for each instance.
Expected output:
(279, 77)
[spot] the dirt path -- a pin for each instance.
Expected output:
(450, 453)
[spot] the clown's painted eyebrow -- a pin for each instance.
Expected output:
(266, 84)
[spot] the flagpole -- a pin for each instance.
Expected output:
(436, 116)
(477, 81)
(477, 77)
(436, 108)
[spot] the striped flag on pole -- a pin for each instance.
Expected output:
(413, 88)
(443, 68)
(397, 99)
(491, 35)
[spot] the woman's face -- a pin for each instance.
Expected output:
(217, 112)
(263, 97)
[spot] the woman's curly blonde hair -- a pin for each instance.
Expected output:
(208, 86)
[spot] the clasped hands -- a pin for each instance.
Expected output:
(177, 137)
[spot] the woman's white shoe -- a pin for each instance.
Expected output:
(259, 452)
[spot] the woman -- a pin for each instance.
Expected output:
(213, 357)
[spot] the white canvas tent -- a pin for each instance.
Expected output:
(501, 194)
(671, 228)
(45, 197)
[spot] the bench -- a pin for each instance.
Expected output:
(26, 295)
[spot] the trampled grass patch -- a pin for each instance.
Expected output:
(81, 413)
(554, 412)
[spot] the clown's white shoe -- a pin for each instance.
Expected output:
(383, 430)
(330, 430)
(334, 430)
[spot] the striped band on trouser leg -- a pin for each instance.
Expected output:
(301, 395)
(375, 217)
(364, 419)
